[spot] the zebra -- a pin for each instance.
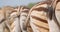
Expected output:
(5, 20)
(14, 17)
(40, 20)
(23, 14)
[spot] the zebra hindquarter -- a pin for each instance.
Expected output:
(38, 21)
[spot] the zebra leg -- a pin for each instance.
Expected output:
(8, 26)
(17, 27)
(52, 26)
(1, 27)
(16, 24)
(22, 21)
